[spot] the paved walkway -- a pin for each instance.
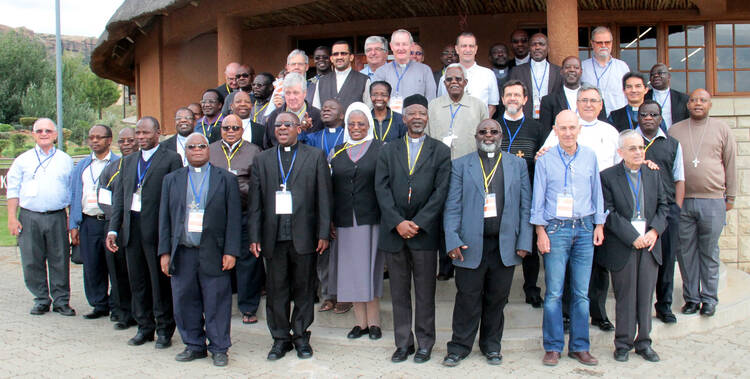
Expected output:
(56, 346)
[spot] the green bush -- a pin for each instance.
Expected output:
(4, 144)
(27, 122)
(6, 128)
(80, 150)
(17, 140)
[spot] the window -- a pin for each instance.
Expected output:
(732, 58)
(686, 56)
(638, 47)
(584, 43)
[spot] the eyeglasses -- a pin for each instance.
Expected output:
(589, 101)
(125, 140)
(521, 40)
(233, 127)
(652, 115)
(340, 54)
(203, 102)
(602, 43)
(484, 132)
(416, 53)
(44, 131)
(180, 118)
(201, 146)
(287, 124)
(447, 52)
(449, 79)
(244, 75)
(320, 58)
(659, 73)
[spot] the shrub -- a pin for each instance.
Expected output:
(27, 122)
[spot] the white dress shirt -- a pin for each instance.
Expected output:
(608, 79)
(572, 96)
(664, 99)
(340, 79)
(482, 84)
(539, 83)
(90, 179)
(523, 60)
(181, 141)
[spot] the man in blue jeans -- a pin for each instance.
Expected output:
(568, 211)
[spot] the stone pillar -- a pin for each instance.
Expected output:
(229, 43)
(562, 29)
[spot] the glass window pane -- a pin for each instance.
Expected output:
(628, 37)
(630, 57)
(677, 59)
(646, 59)
(649, 36)
(696, 80)
(724, 57)
(742, 34)
(696, 58)
(743, 81)
(584, 54)
(724, 34)
(678, 81)
(676, 35)
(695, 35)
(725, 80)
(584, 37)
(743, 57)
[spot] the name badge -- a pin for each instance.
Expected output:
(283, 202)
(490, 208)
(195, 221)
(91, 201)
(448, 140)
(105, 196)
(397, 103)
(135, 205)
(564, 205)
(537, 107)
(30, 188)
(233, 172)
(639, 225)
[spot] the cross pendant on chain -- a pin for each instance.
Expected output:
(695, 162)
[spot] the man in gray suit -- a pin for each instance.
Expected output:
(487, 233)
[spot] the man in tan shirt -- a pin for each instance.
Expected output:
(710, 188)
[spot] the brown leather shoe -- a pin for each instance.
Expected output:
(551, 358)
(327, 305)
(584, 357)
(342, 307)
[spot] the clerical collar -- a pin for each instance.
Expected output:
(147, 154)
(205, 167)
(416, 140)
(523, 60)
(334, 129)
(343, 73)
(543, 63)
(231, 148)
(509, 117)
(487, 155)
(661, 91)
(588, 123)
(634, 109)
(287, 149)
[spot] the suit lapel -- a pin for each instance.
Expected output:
(553, 76)
(475, 170)
(181, 188)
(155, 160)
(299, 164)
(427, 147)
(213, 184)
(625, 190)
(507, 177)
(401, 152)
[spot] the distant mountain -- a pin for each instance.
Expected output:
(74, 44)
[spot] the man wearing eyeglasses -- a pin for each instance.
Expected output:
(242, 107)
(211, 104)
(447, 57)
(416, 52)
(343, 84)
(236, 154)
(38, 182)
(672, 102)
(376, 52)
(245, 76)
(87, 223)
(230, 84)
(184, 125)
(481, 82)
(290, 223)
(605, 71)
(262, 104)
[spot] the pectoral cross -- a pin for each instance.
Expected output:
(695, 162)
(520, 154)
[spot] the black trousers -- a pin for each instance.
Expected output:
(481, 296)
(445, 263)
(119, 294)
(202, 303)
(670, 244)
(598, 288)
(402, 267)
(150, 288)
(250, 275)
(530, 265)
(291, 277)
(92, 233)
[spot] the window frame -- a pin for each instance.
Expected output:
(715, 46)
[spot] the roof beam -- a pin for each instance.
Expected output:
(711, 7)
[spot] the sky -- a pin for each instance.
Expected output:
(77, 17)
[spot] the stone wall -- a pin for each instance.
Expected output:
(735, 240)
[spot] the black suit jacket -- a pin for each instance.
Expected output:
(429, 185)
(170, 143)
(222, 219)
(679, 102)
(554, 103)
(619, 234)
(523, 73)
(270, 137)
(162, 163)
(310, 184)
(619, 119)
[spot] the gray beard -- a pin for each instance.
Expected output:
(512, 109)
(488, 148)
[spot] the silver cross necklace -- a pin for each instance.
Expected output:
(696, 148)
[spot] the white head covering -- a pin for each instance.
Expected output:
(358, 106)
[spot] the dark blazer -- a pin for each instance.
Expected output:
(556, 102)
(354, 187)
(523, 73)
(464, 210)
(310, 184)
(619, 119)
(163, 162)
(222, 226)
(679, 102)
(270, 137)
(619, 234)
(170, 143)
(429, 185)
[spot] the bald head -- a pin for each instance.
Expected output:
(45, 133)
(196, 150)
(489, 135)
(229, 74)
(699, 104)
(231, 129)
(567, 128)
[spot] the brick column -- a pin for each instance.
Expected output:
(229, 44)
(562, 29)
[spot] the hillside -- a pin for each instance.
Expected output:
(75, 44)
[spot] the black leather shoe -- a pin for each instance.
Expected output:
(708, 310)
(114, 318)
(443, 277)
(375, 332)
(163, 342)
(188, 355)
(535, 301)
(220, 359)
(494, 358)
(140, 338)
(667, 318)
(401, 355)
(621, 355)
(122, 325)
(452, 360)
(422, 356)
(279, 350)
(304, 351)
(64, 310)
(604, 325)
(96, 314)
(648, 354)
(566, 324)
(357, 332)
(39, 309)
(689, 308)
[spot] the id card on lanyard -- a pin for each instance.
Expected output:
(564, 207)
(284, 196)
(397, 101)
(490, 205)
(195, 213)
(638, 222)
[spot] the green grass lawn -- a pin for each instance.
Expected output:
(5, 238)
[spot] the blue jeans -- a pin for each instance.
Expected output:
(570, 240)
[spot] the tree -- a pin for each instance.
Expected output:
(23, 62)
(100, 93)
